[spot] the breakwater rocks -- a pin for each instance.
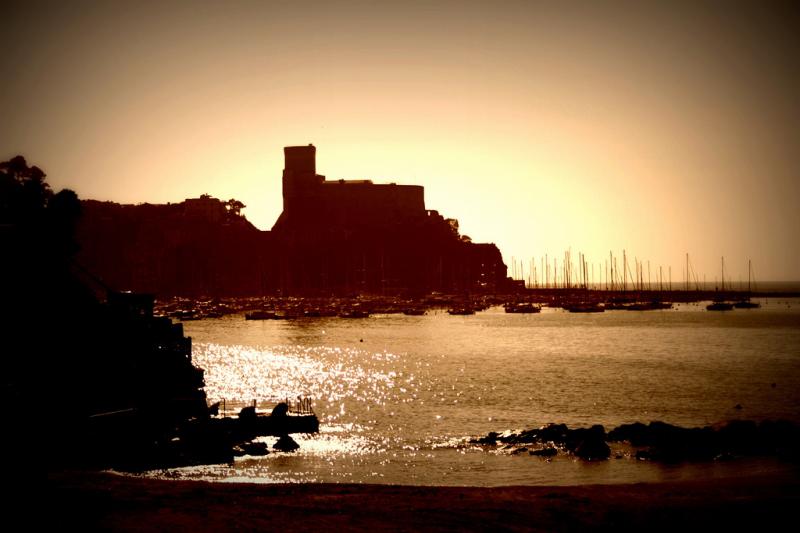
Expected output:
(656, 441)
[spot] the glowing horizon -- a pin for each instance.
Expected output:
(652, 129)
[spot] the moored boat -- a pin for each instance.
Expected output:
(590, 307)
(523, 307)
(746, 303)
(648, 306)
(260, 315)
(719, 306)
(354, 313)
(461, 311)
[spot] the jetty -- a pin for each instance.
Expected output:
(110, 438)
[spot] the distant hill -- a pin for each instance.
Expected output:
(192, 247)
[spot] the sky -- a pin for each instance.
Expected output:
(658, 128)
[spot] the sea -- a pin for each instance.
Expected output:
(400, 398)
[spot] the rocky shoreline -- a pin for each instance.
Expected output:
(656, 441)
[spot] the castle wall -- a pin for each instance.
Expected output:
(342, 204)
(311, 201)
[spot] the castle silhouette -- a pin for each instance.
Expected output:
(310, 201)
(332, 237)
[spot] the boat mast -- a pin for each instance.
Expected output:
(624, 271)
(687, 271)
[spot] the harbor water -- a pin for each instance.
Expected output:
(399, 397)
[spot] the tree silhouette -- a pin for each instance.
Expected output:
(64, 345)
(41, 219)
(234, 207)
(63, 212)
(23, 191)
(43, 305)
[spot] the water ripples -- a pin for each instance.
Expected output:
(398, 397)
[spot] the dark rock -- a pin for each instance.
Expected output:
(529, 436)
(247, 413)
(662, 441)
(545, 452)
(598, 430)
(780, 437)
(593, 449)
(490, 438)
(637, 434)
(553, 432)
(514, 437)
(701, 443)
(668, 443)
(282, 409)
(739, 435)
(286, 444)
(251, 448)
(645, 455)
(663, 434)
(574, 437)
(509, 437)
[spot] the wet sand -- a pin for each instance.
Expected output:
(101, 501)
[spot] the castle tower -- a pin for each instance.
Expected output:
(300, 179)
(300, 159)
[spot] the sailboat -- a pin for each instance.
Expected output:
(747, 303)
(719, 305)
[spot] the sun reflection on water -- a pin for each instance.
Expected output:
(332, 376)
(399, 400)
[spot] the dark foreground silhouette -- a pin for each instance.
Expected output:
(108, 502)
(91, 377)
(90, 373)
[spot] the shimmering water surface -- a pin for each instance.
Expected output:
(399, 396)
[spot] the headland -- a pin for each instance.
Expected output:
(334, 237)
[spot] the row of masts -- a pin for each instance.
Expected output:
(613, 274)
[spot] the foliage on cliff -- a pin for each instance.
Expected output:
(200, 246)
(67, 355)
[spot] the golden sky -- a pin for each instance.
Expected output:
(656, 127)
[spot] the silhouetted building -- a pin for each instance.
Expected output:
(205, 208)
(337, 236)
(310, 201)
(356, 236)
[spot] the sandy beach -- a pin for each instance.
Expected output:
(111, 502)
